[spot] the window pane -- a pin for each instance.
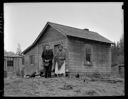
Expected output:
(88, 56)
(10, 63)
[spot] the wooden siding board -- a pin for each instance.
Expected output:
(75, 55)
(17, 63)
(51, 35)
(100, 56)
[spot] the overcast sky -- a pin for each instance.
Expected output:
(24, 21)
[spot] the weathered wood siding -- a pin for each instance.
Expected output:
(50, 36)
(17, 64)
(100, 56)
(76, 56)
(29, 68)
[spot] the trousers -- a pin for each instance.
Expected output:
(48, 70)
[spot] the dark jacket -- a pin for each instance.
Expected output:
(47, 55)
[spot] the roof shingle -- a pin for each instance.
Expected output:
(81, 33)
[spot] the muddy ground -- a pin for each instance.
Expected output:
(63, 86)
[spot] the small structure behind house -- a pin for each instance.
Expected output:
(12, 65)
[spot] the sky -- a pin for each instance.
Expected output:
(23, 22)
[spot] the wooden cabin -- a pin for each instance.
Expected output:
(12, 64)
(87, 51)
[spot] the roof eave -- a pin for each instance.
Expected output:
(33, 44)
(91, 39)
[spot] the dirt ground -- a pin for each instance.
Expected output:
(62, 86)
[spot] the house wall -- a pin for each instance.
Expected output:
(30, 68)
(75, 50)
(17, 64)
(8, 69)
(50, 36)
(101, 56)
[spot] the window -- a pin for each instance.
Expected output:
(10, 63)
(32, 59)
(88, 56)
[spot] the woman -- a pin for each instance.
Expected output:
(60, 58)
(47, 57)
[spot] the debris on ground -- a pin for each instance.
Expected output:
(63, 86)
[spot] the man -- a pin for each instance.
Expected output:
(60, 58)
(47, 57)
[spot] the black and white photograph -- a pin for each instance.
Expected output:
(69, 49)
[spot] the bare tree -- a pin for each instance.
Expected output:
(18, 50)
(118, 52)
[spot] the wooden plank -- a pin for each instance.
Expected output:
(76, 58)
(76, 49)
(101, 57)
(51, 35)
(71, 53)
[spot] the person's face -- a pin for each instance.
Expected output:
(47, 47)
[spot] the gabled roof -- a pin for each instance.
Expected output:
(81, 33)
(71, 31)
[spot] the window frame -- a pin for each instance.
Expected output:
(10, 62)
(32, 59)
(87, 51)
